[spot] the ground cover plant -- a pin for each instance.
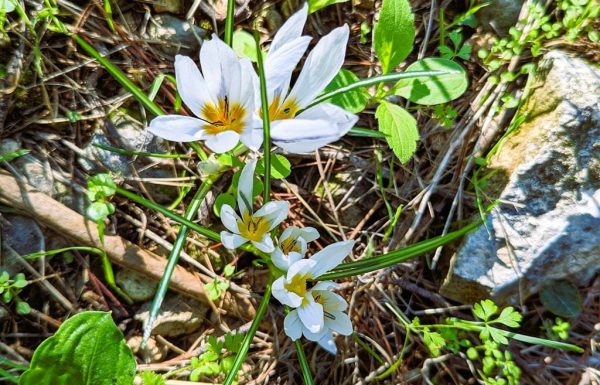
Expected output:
(298, 290)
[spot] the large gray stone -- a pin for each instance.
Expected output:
(499, 15)
(179, 36)
(177, 316)
(547, 226)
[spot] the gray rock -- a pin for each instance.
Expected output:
(125, 133)
(170, 6)
(37, 173)
(151, 352)
(21, 235)
(548, 180)
(137, 286)
(499, 15)
(179, 35)
(178, 316)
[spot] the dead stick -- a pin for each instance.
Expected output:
(70, 224)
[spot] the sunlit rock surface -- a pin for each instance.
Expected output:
(547, 226)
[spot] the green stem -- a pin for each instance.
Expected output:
(308, 380)
(375, 80)
(241, 355)
(178, 246)
(367, 265)
(265, 118)
(229, 22)
(120, 77)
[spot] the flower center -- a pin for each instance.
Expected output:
(297, 285)
(289, 245)
(253, 228)
(287, 110)
(223, 117)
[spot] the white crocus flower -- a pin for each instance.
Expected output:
(292, 288)
(293, 127)
(292, 246)
(221, 98)
(335, 320)
(254, 227)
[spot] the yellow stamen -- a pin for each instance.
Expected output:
(223, 117)
(297, 285)
(253, 228)
(289, 245)
(287, 110)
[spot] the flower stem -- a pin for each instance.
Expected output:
(265, 118)
(303, 363)
(165, 280)
(375, 80)
(241, 355)
(229, 22)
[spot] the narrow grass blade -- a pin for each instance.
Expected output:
(542, 341)
(375, 80)
(229, 22)
(265, 118)
(119, 76)
(371, 264)
(365, 132)
(165, 280)
(304, 366)
(241, 356)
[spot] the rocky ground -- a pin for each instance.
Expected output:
(538, 249)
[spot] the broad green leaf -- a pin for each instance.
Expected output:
(434, 342)
(87, 349)
(399, 128)
(220, 200)
(509, 317)
(281, 167)
(100, 186)
(23, 307)
(561, 298)
(244, 45)
(355, 100)
(485, 309)
(98, 211)
(394, 33)
(151, 378)
(315, 5)
(433, 89)
(6, 6)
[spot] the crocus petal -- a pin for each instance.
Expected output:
(265, 244)
(245, 184)
(321, 66)
(284, 261)
(309, 234)
(338, 322)
(216, 57)
(341, 118)
(274, 212)
(177, 128)
(332, 301)
(229, 218)
(330, 257)
(325, 285)
(232, 241)
(327, 343)
(311, 315)
(249, 85)
(285, 296)
(290, 30)
(300, 136)
(252, 138)
(280, 65)
(223, 141)
(302, 267)
(191, 85)
(292, 325)
(288, 232)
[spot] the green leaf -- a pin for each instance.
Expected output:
(281, 167)
(433, 89)
(6, 6)
(561, 298)
(244, 46)
(100, 186)
(151, 378)
(355, 100)
(315, 5)
(510, 317)
(485, 309)
(87, 349)
(98, 211)
(394, 33)
(497, 335)
(8, 156)
(23, 308)
(4, 277)
(216, 288)
(399, 128)
(220, 200)
(434, 342)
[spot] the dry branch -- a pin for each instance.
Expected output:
(83, 232)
